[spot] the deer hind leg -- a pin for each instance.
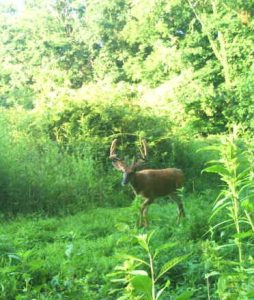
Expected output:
(143, 213)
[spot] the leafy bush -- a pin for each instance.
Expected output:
(235, 205)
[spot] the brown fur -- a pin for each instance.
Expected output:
(152, 184)
(156, 183)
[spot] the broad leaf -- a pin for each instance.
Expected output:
(143, 284)
(218, 169)
(170, 264)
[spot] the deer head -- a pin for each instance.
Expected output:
(120, 164)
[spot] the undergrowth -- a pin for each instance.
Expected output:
(71, 257)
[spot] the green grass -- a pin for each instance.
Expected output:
(69, 257)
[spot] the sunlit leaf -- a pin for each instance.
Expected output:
(142, 240)
(218, 169)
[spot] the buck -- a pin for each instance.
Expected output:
(149, 183)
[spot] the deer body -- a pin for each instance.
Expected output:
(150, 183)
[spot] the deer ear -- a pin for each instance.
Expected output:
(119, 165)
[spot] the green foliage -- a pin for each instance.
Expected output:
(70, 256)
(36, 175)
(51, 258)
(138, 283)
(236, 195)
(202, 51)
(76, 74)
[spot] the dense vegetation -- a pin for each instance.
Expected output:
(76, 74)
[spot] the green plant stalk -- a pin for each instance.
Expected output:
(152, 275)
(208, 288)
(237, 225)
(235, 207)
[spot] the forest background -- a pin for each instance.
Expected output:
(76, 74)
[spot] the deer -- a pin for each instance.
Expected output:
(149, 183)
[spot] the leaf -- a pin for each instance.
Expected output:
(134, 258)
(165, 246)
(221, 223)
(248, 205)
(143, 284)
(14, 256)
(185, 295)
(218, 209)
(122, 280)
(69, 250)
(249, 271)
(122, 227)
(209, 148)
(167, 284)
(218, 169)
(221, 202)
(250, 295)
(213, 273)
(139, 272)
(150, 236)
(170, 264)
(142, 240)
(244, 235)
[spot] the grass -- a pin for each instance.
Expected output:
(69, 257)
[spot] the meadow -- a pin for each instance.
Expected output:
(76, 75)
(72, 257)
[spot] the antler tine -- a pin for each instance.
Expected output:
(112, 154)
(144, 151)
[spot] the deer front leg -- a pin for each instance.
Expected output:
(143, 213)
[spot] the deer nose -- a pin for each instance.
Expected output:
(125, 179)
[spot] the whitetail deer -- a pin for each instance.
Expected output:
(149, 183)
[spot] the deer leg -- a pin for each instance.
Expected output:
(143, 213)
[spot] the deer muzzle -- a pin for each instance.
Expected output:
(126, 179)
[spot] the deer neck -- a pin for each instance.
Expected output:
(135, 184)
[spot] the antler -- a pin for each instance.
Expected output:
(118, 163)
(142, 157)
(112, 154)
(144, 151)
